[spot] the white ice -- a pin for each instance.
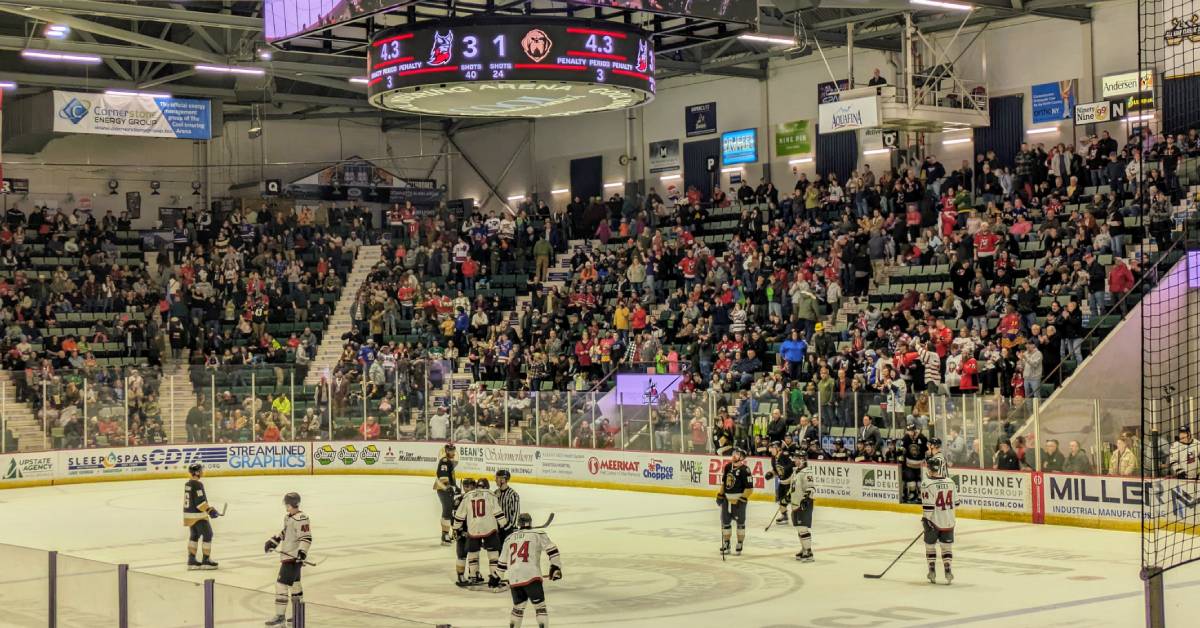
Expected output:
(632, 560)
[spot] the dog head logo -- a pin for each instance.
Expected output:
(443, 47)
(536, 44)
(645, 60)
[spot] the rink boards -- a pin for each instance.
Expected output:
(1031, 497)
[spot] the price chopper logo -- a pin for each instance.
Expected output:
(75, 110)
(443, 48)
(536, 44)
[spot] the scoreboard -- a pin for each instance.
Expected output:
(510, 67)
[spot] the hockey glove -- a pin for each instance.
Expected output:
(270, 546)
(555, 572)
(721, 500)
(804, 503)
(770, 475)
(927, 524)
(785, 501)
(302, 555)
(213, 513)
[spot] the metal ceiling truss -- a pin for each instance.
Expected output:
(156, 43)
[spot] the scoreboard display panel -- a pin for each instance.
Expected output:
(745, 11)
(511, 67)
(287, 19)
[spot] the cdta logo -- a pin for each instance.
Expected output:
(75, 110)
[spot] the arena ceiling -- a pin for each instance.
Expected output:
(156, 45)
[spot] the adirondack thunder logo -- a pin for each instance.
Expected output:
(1182, 29)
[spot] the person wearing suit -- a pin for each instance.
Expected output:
(870, 434)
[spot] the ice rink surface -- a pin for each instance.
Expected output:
(634, 560)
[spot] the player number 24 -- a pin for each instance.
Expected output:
(945, 500)
(518, 551)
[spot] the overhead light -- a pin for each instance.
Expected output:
(802, 160)
(7, 85)
(230, 69)
(358, 79)
(670, 177)
(876, 151)
(560, 191)
(1040, 130)
(57, 31)
(122, 92)
(953, 6)
(1140, 118)
(516, 197)
(778, 40)
(265, 54)
(957, 140)
(59, 56)
(732, 169)
(614, 184)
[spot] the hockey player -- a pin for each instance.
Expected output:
(446, 488)
(1185, 456)
(196, 515)
(483, 518)
(800, 496)
(522, 563)
(509, 500)
(460, 543)
(293, 542)
(781, 467)
(938, 502)
(732, 496)
(916, 449)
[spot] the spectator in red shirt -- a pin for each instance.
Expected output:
(370, 429)
(1120, 282)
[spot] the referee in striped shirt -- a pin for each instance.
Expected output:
(510, 502)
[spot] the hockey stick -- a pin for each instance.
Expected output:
(778, 511)
(549, 520)
(914, 542)
(305, 562)
(224, 508)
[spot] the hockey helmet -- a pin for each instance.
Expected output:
(483, 484)
(911, 427)
(292, 499)
(738, 454)
(469, 484)
(935, 442)
(776, 445)
(937, 466)
(503, 473)
(524, 521)
(195, 468)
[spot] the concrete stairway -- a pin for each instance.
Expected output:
(19, 416)
(176, 397)
(339, 322)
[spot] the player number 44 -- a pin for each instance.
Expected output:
(945, 499)
(518, 551)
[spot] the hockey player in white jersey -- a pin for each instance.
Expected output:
(521, 561)
(481, 515)
(800, 497)
(293, 543)
(1185, 456)
(938, 501)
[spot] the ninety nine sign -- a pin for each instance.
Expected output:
(1103, 111)
(849, 115)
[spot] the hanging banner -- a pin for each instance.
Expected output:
(1053, 102)
(132, 115)
(792, 138)
(848, 115)
(829, 91)
(700, 119)
(664, 156)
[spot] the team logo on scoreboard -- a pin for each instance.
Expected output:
(536, 44)
(645, 60)
(443, 48)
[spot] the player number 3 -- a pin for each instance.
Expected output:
(518, 551)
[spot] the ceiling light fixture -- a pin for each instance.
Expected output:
(802, 160)
(46, 55)
(1041, 130)
(230, 69)
(778, 40)
(876, 151)
(560, 191)
(614, 184)
(957, 140)
(358, 79)
(122, 92)
(953, 6)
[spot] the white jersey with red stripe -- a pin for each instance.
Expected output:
(521, 556)
(938, 501)
(482, 514)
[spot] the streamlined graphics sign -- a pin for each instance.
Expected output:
(849, 115)
(132, 115)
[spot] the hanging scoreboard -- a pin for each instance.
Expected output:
(510, 67)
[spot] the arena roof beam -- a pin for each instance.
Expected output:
(679, 68)
(141, 12)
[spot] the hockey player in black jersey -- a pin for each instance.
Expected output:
(732, 496)
(196, 515)
(781, 468)
(916, 448)
(446, 487)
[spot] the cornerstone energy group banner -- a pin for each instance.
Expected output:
(132, 115)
